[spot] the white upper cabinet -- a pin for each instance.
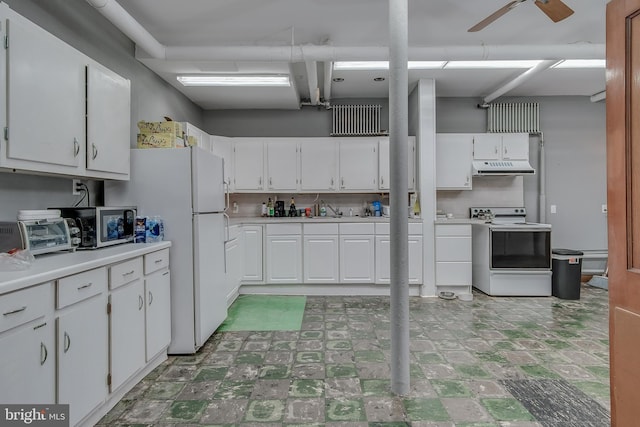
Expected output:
(384, 180)
(223, 147)
(282, 165)
(318, 164)
(202, 139)
(495, 146)
(515, 146)
(248, 154)
(454, 154)
(108, 121)
(45, 101)
(358, 164)
(65, 114)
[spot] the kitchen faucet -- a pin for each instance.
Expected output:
(335, 212)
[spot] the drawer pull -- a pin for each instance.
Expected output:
(67, 342)
(165, 273)
(158, 261)
(43, 353)
(140, 302)
(150, 298)
(128, 273)
(88, 285)
(16, 311)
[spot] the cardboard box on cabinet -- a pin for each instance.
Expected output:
(161, 127)
(191, 141)
(159, 140)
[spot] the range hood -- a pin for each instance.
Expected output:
(502, 168)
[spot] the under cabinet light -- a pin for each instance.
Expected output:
(235, 80)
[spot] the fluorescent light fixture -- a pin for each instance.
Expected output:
(582, 63)
(384, 65)
(426, 65)
(361, 65)
(234, 80)
(491, 64)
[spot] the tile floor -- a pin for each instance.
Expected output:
(335, 370)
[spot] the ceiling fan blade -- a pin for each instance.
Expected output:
(495, 15)
(556, 10)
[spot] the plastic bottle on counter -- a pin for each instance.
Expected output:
(263, 210)
(323, 210)
(140, 230)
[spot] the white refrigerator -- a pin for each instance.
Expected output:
(185, 187)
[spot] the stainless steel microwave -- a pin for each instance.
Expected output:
(102, 225)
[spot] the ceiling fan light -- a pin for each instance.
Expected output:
(234, 80)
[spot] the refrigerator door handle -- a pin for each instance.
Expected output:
(226, 226)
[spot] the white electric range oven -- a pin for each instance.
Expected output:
(510, 257)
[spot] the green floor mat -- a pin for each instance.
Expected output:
(265, 313)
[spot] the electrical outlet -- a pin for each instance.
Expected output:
(76, 187)
(604, 208)
(553, 209)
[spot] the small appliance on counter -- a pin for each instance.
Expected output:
(43, 231)
(101, 226)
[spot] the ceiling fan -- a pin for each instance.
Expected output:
(556, 10)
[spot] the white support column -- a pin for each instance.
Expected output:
(398, 135)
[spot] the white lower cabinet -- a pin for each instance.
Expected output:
(233, 263)
(27, 346)
(252, 271)
(82, 342)
(383, 254)
(453, 257)
(320, 253)
(157, 286)
(126, 321)
(284, 253)
(87, 338)
(357, 253)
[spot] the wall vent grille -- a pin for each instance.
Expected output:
(356, 120)
(514, 117)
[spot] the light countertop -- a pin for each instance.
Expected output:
(459, 221)
(53, 266)
(312, 220)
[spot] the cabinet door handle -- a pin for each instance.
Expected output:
(95, 151)
(16, 311)
(260, 182)
(270, 182)
(342, 183)
(128, 273)
(331, 182)
(495, 150)
(381, 180)
(67, 342)
(88, 285)
(140, 302)
(158, 261)
(150, 297)
(166, 273)
(76, 147)
(43, 353)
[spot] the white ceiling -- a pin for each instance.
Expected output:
(278, 36)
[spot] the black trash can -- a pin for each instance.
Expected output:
(566, 267)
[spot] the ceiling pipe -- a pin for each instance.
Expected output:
(312, 80)
(328, 75)
(126, 23)
(544, 65)
(381, 53)
(600, 96)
